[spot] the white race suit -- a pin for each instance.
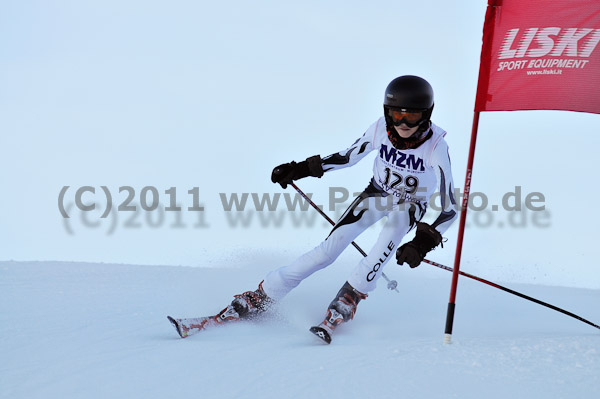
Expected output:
(402, 184)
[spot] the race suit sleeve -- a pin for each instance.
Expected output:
(353, 154)
(440, 161)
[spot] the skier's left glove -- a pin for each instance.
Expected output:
(413, 252)
(286, 173)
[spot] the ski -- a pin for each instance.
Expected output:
(244, 306)
(333, 319)
(321, 333)
(187, 327)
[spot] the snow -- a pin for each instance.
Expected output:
(85, 330)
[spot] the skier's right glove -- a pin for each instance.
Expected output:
(286, 173)
(413, 252)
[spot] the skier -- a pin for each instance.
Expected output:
(412, 162)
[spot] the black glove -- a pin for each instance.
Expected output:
(286, 173)
(413, 252)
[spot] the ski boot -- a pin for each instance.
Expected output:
(251, 303)
(244, 306)
(341, 310)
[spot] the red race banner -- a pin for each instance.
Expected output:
(540, 54)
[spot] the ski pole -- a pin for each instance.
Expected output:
(392, 284)
(481, 280)
(471, 276)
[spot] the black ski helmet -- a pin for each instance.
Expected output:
(411, 93)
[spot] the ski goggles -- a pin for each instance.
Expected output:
(409, 117)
